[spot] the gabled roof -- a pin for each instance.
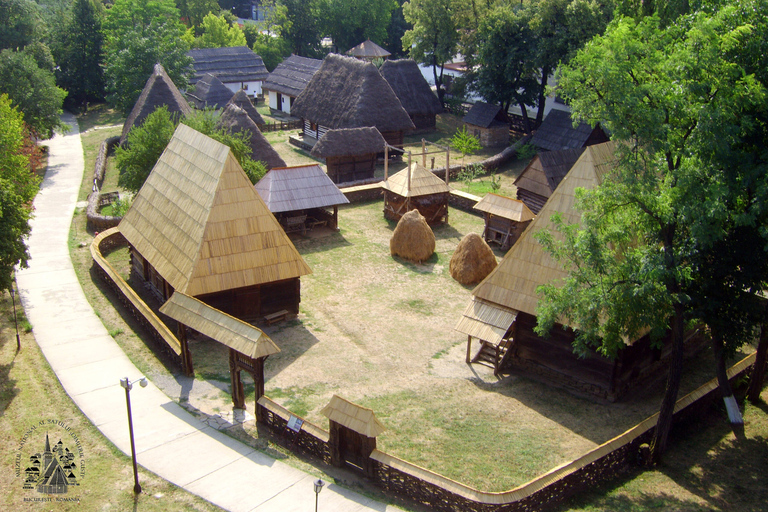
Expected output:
(512, 284)
(158, 91)
(355, 417)
(242, 100)
(231, 64)
(554, 164)
(299, 188)
(349, 93)
(505, 207)
(236, 120)
(199, 222)
(349, 142)
(411, 88)
(210, 92)
(423, 182)
(483, 114)
(368, 50)
(557, 132)
(291, 76)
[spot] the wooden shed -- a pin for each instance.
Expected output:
(350, 153)
(288, 80)
(505, 219)
(368, 50)
(542, 176)
(158, 91)
(413, 91)
(301, 197)
(502, 311)
(416, 187)
(198, 227)
(488, 123)
(209, 92)
(558, 132)
(242, 100)
(237, 120)
(237, 67)
(348, 93)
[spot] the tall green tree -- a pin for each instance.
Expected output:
(301, 29)
(350, 22)
(217, 33)
(192, 12)
(21, 23)
(395, 32)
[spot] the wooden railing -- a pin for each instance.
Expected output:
(281, 126)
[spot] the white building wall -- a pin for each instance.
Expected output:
(252, 88)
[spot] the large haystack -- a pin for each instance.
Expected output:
(413, 239)
(472, 260)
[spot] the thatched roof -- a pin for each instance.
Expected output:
(557, 132)
(554, 164)
(230, 65)
(483, 115)
(486, 320)
(413, 91)
(210, 92)
(512, 286)
(199, 222)
(302, 187)
(236, 120)
(158, 91)
(349, 142)
(355, 417)
(226, 329)
(368, 50)
(423, 182)
(505, 207)
(349, 93)
(242, 100)
(291, 76)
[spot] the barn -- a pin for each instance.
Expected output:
(237, 67)
(542, 176)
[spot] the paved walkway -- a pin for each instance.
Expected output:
(169, 441)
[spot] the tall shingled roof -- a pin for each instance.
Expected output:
(236, 120)
(413, 91)
(200, 223)
(231, 64)
(302, 187)
(210, 92)
(291, 76)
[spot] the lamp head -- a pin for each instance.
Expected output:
(318, 485)
(143, 382)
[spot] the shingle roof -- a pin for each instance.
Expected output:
(411, 88)
(210, 92)
(355, 417)
(505, 207)
(231, 64)
(368, 50)
(554, 164)
(423, 182)
(302, 187)
(557, 132)
(482, 114)
(349, 142)
(291, 76)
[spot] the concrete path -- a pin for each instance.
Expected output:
(169, 441)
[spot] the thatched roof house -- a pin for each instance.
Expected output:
(236, 120)
(488, 123)
(368, 50)
(301, 191)
(287, 80)
(416, 187)
(209, 92)
(558, 132)
(542, 176)
(158, 91)
(350, 153)
(413, 91)
(237, 67)
(505, 219)
(348, 93)
(198, 226)
(242, 100)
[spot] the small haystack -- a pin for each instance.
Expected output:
(413, 239)
(472, 260)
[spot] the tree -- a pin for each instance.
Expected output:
(192, 12)
(301, 29)
(690, 112)
(395, 32)
(272, 49)
(21, 23)
(350, 22)
(434, 36)
(17, 188)
(217, 33)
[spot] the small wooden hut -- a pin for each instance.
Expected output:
(558, 132)
(350, 153)
(242, 100)
(300, 197)
(209, 92)
(348, 93)
(237, 67)
(287, 80)
(416, 187)
(413, 91)
(505, 219)
(158, 91)
(236, 120)
(542, 176)
(369, 51)
(198, 227)
(488, 123)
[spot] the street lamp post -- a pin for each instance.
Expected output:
(318, 487)
(128, 385)
(16, 322)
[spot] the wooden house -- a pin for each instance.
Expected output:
(542, 176)
(209, 92)
(416, 187)
(505, 219)
(236, 120)
(242, 100)
(301, 197)
(237, 67)
(558, 132)
(158, 91)
(502, 311)
(368, 51)
(348, 93)
(287, 80)
(413, 91)
(198, 227)
(349, 153)
(488, 123)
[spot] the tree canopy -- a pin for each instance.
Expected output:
(350, 22)
(217, 33)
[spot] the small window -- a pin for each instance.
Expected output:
(245, 87)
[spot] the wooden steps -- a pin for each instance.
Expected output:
(493, 356)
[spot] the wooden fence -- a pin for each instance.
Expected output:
(281, 126)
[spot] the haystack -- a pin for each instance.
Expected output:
(472, 260)
(413, 239)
